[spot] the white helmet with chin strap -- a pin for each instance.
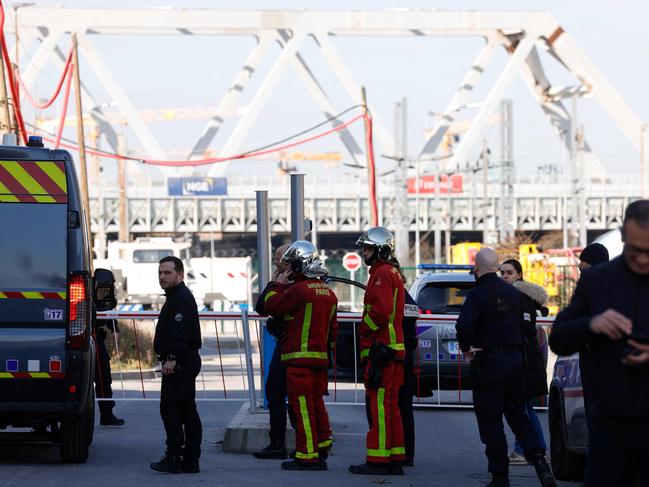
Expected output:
(304, 258)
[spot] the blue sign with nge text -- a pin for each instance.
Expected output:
(197, 186)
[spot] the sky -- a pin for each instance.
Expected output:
(163, 72)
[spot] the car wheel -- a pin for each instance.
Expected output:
(566, 465)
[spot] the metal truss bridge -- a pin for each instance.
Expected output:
(232, 214)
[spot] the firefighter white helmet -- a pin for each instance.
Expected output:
(303, 257)
(382, 240)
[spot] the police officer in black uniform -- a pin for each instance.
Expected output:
(103, 379)
(176, 342)
(408, 388)
(490, 332)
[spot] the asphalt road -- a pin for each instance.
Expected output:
(448, 454)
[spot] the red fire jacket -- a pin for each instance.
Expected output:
(308, 308)
(383, 310)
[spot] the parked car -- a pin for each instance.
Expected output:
(567, 419)
(440, 292)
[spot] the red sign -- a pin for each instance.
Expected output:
(427, 184)
(352, 261)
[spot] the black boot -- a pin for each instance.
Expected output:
(111, 420)
(323, 454)
(190, 465)
(368, 468)
(276, 450)
(499, 480)
(409, 462)
(395, 468)
(298, 465)
(168, 464)
(543, 472)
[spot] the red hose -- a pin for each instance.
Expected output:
(12, 82)
(64, 110)
(57, 91)
(374, 216)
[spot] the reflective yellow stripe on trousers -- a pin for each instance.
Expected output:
(304, 412)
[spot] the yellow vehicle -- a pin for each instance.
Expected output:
(464, 253)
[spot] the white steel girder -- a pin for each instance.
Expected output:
(472, 136)
(114, 89)
(537, 28)
(460, 98)
(314, 87)
(229, 100)
(49, 50)
(250, 115)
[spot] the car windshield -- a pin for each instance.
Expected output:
(443, 297)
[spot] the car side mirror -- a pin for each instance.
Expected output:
(104, 290)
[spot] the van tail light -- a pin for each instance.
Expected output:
(79, 306)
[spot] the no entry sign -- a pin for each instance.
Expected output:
(352, 261)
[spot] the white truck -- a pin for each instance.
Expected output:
(135, 265)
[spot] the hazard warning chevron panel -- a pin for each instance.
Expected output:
(4, 294)
(33, 182)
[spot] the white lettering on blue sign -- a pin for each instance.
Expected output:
(53, 314)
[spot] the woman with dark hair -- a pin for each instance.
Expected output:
(534, 299)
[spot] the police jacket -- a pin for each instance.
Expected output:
(308, 308)
(383, 310)
(534, 297)
(178, 331)
(619, 394)
(491, 317)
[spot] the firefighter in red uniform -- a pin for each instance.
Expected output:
(308, 307)
(383, 351)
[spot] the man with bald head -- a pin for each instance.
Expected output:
(490, 333)
(276, 380)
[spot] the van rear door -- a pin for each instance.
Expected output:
(33, 280)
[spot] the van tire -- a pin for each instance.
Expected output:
(90, 417)
(566, 465)
(74, 437)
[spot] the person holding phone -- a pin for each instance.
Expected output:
(308, 307)
(276, 380)
(609, 317)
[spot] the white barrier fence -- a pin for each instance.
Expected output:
(233, 363)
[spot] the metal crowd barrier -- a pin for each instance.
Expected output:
(233, 362)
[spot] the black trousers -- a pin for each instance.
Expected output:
(616, 457)
(406, 392)
(499, 389)
(103, 378)
(178, 409)
(276, 397)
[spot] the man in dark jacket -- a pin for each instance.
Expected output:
(276, 380)
(609, 317)
(176, 342)
(490, 332)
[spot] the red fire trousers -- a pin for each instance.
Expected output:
(385, 437)
(306, 387)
